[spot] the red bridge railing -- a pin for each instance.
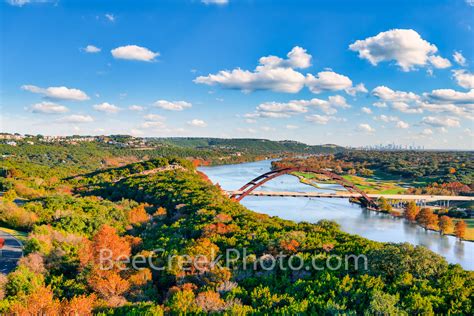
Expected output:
(260, 180)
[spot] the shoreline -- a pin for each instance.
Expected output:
(305, 181)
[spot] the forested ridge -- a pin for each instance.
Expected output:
(415, 167)
(165, 203)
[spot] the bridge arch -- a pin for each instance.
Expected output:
(260, 180)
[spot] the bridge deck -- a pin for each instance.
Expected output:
(346, 195)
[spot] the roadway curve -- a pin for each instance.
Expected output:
(11, 252)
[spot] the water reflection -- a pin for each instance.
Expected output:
(352, 218)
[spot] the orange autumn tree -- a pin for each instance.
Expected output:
(460, 229)
(79, 305)
(445, 224)
(106, 243)
(105, 255)
(160, 212)
(426, 218)
(411, 211)
(210, 302)
(138, 215)
(109, 285)
(290, 246)
(39, 302)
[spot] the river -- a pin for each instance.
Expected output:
(352, 218)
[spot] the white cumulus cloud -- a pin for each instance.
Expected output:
(106, 108)
(60, 93)
(380, 104)
(197, 123)
(172, 105)
(319, 119)
(359, 88)
(459, 59)
(137, 108)
(272, 73)
(327, 81)
(427, 132)
(153, 124)
(406, 108)
(366, 128)
(48, 108)
(464, 78)
(439, 62)
(134, 52)
(153, 117)
(450, 96)
(297, 58)
(20, 3)
(440, 121)
(218, 2)
(366, 110)
(386, 94)
(77, 118)
(280, 75)
(405, 46)
(403, 125)
(387, 119)
(110, 17)
(92, 49)
(294, 107)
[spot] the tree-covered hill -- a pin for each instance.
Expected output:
(177, 213)
(260, 146)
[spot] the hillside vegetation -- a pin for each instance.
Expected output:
(164, 207)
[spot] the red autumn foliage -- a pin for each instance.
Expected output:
(210, 301)
(106, 243)
(138, 215)
(108, 283)
(40, 302)
(217, 228)
(223, 218)
(79, 305)
(289, 245)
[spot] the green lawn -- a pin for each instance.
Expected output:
(470, 222)
(376, 186)
(366, 184)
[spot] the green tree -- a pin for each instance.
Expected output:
(384, 205)
(383, 304)
(23, 281)
(9, 196)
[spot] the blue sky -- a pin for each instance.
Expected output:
(339, 71)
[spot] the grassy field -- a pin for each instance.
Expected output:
(385, 186)
(469, 230)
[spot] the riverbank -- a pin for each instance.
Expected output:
(351, 217)
(377, 187)
(367, 185)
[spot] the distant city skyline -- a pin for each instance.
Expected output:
(352, 74)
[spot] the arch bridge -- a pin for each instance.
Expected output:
(262, 179)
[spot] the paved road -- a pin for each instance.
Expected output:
(10, 253)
